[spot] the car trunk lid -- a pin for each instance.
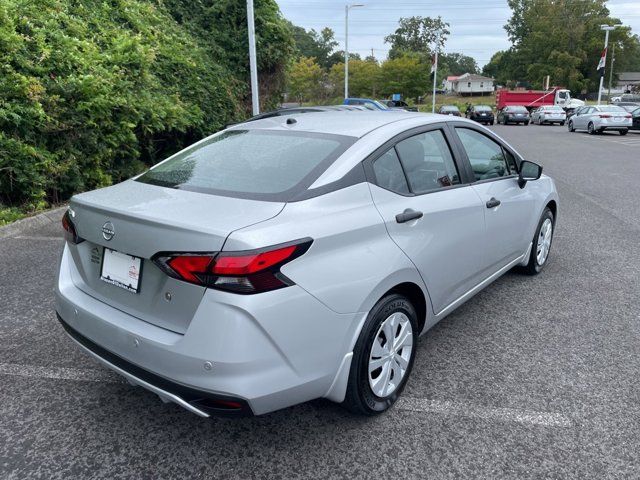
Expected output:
(143, 220)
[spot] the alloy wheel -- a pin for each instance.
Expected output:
(544, 241)
(390, 354)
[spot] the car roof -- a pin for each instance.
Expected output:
(349, 123)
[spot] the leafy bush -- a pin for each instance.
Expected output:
(92, 92)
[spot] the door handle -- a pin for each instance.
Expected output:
(408, 215)
(493, 202)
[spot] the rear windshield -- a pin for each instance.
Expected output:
(450, 108)
(553, 107)
(611, 108)
(257, 164)
(482, 108)
(516, 109)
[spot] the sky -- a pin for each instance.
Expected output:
(476, 25)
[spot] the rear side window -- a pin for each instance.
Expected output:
(389, 174)
(427, 162)
(257, 164)
(485, 155)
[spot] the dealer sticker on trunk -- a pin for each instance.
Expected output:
(121, 270)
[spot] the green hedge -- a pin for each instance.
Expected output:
(93, 91)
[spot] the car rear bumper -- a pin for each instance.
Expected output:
(265, 351)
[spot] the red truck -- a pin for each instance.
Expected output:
(533, 99)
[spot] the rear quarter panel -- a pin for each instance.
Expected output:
(352, 261)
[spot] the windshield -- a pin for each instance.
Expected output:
(611, 108)
(256, 164)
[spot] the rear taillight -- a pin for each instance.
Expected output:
(627, 116)
(252, 271)
(602, 115)
(70, 233)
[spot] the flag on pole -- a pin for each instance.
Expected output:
(601, 63)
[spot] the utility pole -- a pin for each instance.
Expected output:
(346, 46)
(613, 59)
(435, 74)
(607, 29)
(255, 103)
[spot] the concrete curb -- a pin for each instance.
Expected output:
(20, 226)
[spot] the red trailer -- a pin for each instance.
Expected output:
(533, 99)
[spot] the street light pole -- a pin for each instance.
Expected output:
(607, 29)
(613, 59)
(255, 103)
(435, 74)
(346, 46)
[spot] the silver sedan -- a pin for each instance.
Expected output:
(597, 119)
(549, 114)
(297, 257)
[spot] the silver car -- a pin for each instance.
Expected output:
(549, 114)
(598, 118)
(297, 257)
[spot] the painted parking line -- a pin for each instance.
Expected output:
(405, 404)
(546, 419)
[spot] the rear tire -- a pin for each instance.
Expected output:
(541, 244)
(624, 132)
(562, 124)
(526, 123)
(377, 363)
(591, 129)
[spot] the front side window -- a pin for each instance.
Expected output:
(485, 155)
(427, 162)
(258, 164)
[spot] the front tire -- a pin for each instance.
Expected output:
(541, 243)
(570, 126)
(383, 356)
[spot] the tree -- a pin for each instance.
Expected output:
(306, 79)
(405, 75)
(319, 45)
(561, 38)
(364, 78)
(417, 35)
(456, 64)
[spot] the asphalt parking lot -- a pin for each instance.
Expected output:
(535, 377)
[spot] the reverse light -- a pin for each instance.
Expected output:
(70, 233)
(247, 272)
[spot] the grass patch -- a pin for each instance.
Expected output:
(10, 214)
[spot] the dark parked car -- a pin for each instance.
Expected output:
(513, 114)
(398, 105)
(481, 114)
(450, 110)
(635, 115)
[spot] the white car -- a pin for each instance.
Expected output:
(597, 119)
(549, 114)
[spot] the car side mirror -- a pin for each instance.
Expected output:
(529, 171)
